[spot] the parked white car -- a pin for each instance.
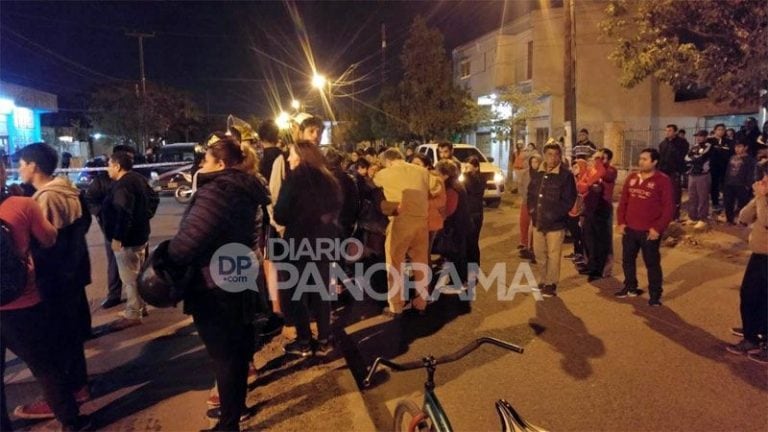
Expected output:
(493, 175)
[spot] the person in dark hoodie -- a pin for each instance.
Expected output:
(672, 163)
(699, 180)
(126, 214)
(351, 197)
(223, 211)
(738, 176)
(97, 192)
(63, 271)
(308, 207)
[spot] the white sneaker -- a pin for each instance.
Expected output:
(700, 225)
(452, 290)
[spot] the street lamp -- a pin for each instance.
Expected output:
(295, 104)
(283, 120)
(318, 81)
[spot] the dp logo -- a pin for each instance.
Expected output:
(234, 268)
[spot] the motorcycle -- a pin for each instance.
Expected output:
(186, 188)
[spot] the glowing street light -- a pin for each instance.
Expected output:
(283, 120)
(295, 104)
(318, 81)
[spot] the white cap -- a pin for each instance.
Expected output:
(300, 117)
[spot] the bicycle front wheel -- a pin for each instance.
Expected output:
(410, 418)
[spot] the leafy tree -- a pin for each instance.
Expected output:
(387, 119)
(719, 46)
(357, 125)
(431, 104)
(516, 105)
(120, 110)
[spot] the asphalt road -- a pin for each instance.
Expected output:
(591, 362)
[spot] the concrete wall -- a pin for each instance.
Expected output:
(611, 112)
(491, 63)
(600, 99)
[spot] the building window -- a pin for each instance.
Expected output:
(464, 70)
(529, 70)
(690, 93)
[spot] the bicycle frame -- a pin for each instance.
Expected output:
(511, 421)
(435, 412)
(431, 405)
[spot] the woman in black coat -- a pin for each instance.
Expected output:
(223, 210)
(308, 207)
(474, 184)
(458, 223)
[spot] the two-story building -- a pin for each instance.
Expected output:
(528, 52)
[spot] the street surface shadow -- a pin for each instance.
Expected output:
(669, 324)
(307, 397)
(285, 365)
(166, 367)
(692, 275)
(556, 325)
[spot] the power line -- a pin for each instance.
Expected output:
(116, 29)
(60, 57)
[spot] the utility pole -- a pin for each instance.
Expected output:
(569, 72)
(140, 37)
(142, 106)
(383, 53)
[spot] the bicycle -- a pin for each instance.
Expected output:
(431, 417)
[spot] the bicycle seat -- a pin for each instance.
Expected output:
(511, 421)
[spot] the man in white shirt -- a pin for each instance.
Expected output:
(407, 233)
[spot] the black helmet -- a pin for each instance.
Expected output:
(161, 284)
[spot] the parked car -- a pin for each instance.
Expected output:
(168, 179)
(493, 175)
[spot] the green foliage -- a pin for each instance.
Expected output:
(387, 119)
(118, 110)
(524, 105)
(425, 103)
(721, 46)
(429, 102)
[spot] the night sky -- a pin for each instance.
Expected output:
(206, 48)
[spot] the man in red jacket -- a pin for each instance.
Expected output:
(645, 210)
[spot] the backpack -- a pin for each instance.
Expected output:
(13, 278)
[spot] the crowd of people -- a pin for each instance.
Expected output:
(406, 210)
(723, 167)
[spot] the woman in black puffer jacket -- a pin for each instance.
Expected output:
(223, 210)
(308, 207)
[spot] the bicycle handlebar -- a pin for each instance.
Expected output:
(399, 367)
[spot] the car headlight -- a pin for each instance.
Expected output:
(461, 177)
(498, 178)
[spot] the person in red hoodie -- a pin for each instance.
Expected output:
(645, 210)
